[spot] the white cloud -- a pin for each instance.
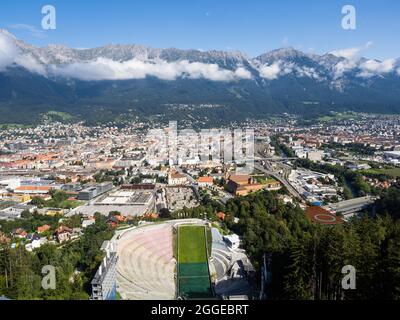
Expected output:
(372, 67)
(348, 53)
(8, 52)
(280, 68)
(106, 69)
(30, 63)
(243, 73)
(367, 68)
(351, 53)
(344, 66)
(270, 72)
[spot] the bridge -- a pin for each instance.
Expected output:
(271, 159)
(274, 158)
(281, 179)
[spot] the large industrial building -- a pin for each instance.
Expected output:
(129, 202)
(95, 191)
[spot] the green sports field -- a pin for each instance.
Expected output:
(193, 275)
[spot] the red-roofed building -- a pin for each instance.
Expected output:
(221, 215)
(151, 215)
(205, 181)
(43, 228)
(63, 234)
(120, 218)
(20, 233)
(33, 189)
(242, 185)
(4, 239)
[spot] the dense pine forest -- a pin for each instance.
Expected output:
(306, 259)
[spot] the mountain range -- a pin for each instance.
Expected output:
(116, 82)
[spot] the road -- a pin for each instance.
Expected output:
(281, 179)
(270, 171)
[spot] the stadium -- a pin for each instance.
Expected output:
(180, 259)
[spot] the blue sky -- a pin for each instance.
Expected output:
(251, 26)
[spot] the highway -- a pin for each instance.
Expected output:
(281, 179)
(269, 170)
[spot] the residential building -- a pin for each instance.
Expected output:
(205, 181)
(177, 179)
(95, 191)
(63, 234)
(104, 285)
(43, 228)
(241, 185)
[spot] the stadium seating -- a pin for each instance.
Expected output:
(146, 267)
(221, 259)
